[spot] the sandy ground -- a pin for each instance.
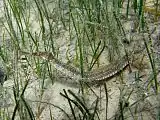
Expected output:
(52, 98)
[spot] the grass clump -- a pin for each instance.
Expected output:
(87, 31)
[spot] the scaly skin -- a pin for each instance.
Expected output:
(93, 77)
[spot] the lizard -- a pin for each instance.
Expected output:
(97, 76)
